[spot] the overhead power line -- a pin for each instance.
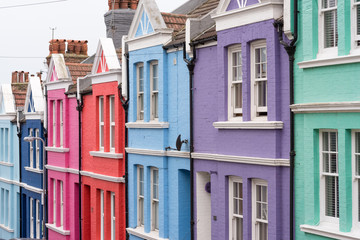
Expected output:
(32, 4)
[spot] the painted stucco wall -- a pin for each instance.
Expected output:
(210, 105)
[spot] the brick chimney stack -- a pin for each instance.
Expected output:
(74, 51)
(19, 77)
(122, 4)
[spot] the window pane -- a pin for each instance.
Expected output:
(332, 196)
(101, 109)
(333, 141)
(330, 28)
(238, 95)
(112, 108)
(155, 77)
(357, 165)
(262, 90)
(263, 231)
(141, 79)
(112, 136)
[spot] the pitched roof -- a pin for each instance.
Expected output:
(7, 99)
(35, 91)
(19, 91)
(78, 70)
(174, 21)
(207, 34)
(205, 8)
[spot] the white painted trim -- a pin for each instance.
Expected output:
(9, 117)
(111, 76)
(331, 231)
(150, 40)
(276, 162)
(106, 154)
(160, 153)
(36, 116)
(59, 84)
(329, 61)
(34, 170)
(6, 228)
(326, 107)
(7, 164)
(249, 125)
(71, 96)
(57, 149)
(151, 124)
(103, 177)
(61, 169)
(207, 44)
(31, 188)
(252, 14)
(355, 182)
(59, 230)
(140, 232)
(287, 19)
(8, 181)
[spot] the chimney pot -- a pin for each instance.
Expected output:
(21, 77)
(134, 4)
(71, 46)
(62, 46)
(84, 47)
(14, 77)
(78, 47)
(26, 76)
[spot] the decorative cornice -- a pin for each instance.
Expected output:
(103, 177)
(321, 62)
(152, 124)
(139, 232)
(330, 232)
(160, 37)
(110, 76)
(57, 229)
(57, 149)
(326, 107)
(160, 153)
(276, 162)
(61, 169)
(7, 164)
(59, 84)
(249, 125)
(8, 117)
(106, 154)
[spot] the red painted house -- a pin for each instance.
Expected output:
(103, 163)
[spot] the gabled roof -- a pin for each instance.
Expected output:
(7, 102)
(174, 21)
(57, 69)
(34, 97)
(106, 58)
(78, 70)
(228, 5)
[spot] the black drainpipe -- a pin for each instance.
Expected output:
(125, 105)
(79, 108)
(191, 65)
(45, 170)
(20, 165)
(290, 49)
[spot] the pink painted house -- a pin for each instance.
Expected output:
(63, 148)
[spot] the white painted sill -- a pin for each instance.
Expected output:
(59, 230)
(7, 164)
(329, 61)
(34, 170)
(57, 149)
(140, 232)
(151, 124)
(331, 231)
(106, 154)
(6, 228)
(249, 125)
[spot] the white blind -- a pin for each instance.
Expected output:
(330, 23)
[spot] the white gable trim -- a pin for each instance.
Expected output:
(7, 97)
(57, 61)
(151, 40)
(34, 89)
(106, 46)
(113, 76)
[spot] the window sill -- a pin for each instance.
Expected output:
(329, 230)
(7, 164)
(140, 232)
(6, 228)
(151, 124)
(249, 125)
(106, 154)
(59, 230)
(57, 149)
(329, 61)
(34, 170)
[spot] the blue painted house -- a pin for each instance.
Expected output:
(158, 176)
(32, 162)
(9, 165)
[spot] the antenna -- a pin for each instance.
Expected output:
(52, 36)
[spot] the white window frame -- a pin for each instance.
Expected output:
(54, 201)
(37, 202)
(112, 123)
(31, 218)
(354, 36)
(101, 123)
(356, 183)
(37, 148)
(323, 216)
(2, 145)
(61, 123)
(232, 215)
(31, 146)
(140, 94)
(61, 203)
(232, 110)
(113, 217)
(154, 106)
(256, 221)
(255, 109)
(140, 198)
(54, 122)
(7, 208)
(102, 215)
(6, 144)
(330, 51)
(155, 201)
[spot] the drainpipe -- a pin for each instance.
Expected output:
(79, 108)
(191, 65)
(20, 165)
(45, 156)
(290, 49)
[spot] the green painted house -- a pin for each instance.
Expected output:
(327, 120)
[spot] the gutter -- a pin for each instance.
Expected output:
(191, 65)
(290, 49)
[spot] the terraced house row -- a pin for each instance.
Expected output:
(225, 119)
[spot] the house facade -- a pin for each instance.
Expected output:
(327, 121)
(63, 190)
(32, 159)
(241, 125)
(158, 174)
(103, 147)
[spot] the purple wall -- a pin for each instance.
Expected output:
(210, 105)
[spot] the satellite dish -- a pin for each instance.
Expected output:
(179, 142)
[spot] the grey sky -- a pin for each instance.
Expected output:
(25, 31)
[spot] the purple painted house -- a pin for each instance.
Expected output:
(241, 123)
